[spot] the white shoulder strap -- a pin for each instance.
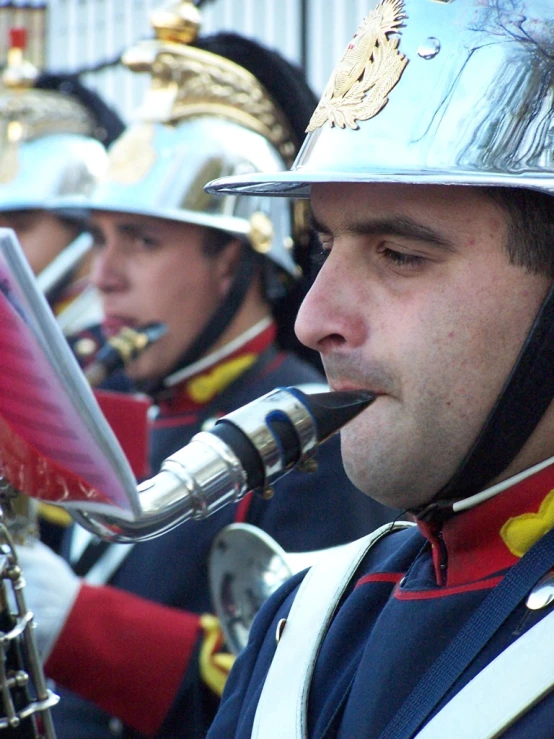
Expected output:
(503, 691)
(282, 709)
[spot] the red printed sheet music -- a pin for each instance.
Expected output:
(55, 444)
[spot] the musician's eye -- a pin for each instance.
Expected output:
(318, 257)
(98, 239)
(146, 242)
(320, 252)
(401, 260)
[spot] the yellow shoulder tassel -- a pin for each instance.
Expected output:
(215, 664)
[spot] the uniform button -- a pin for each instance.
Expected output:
(280, 628)
(85, 348)
(115, 727)
(542, 594)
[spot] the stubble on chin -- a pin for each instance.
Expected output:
(380, 466)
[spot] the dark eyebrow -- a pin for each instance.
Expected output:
(402, 226)
(133, 229)
(130, 230)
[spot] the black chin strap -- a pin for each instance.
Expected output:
(218, 322)
(520, 406)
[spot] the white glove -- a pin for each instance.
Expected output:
(50, 591)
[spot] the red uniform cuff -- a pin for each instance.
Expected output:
(124, 653)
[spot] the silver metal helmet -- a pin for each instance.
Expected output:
(437, 92)
(47, 141)
(203, 117)
(49, 146)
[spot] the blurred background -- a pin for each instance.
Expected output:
(89, 36)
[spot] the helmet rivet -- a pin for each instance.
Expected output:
(429, 48)
(261, 232)
(288, 243)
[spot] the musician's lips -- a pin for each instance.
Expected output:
(345, 386)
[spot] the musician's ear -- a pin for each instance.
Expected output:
(226, 264)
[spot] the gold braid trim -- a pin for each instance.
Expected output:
(54, 514)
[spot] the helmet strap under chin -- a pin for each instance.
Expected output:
(520, 406)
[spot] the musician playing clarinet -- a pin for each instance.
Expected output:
(128, 635)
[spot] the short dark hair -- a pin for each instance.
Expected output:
(531, 227)
(214, 241)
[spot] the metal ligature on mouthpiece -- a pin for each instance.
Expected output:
(121, 349)
(247, 450)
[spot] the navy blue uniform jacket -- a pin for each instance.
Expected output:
(413, 592)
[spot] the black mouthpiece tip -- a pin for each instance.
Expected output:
(154, 331)
(333, 410)
(344, 398)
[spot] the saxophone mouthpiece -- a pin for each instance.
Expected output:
(121, 349)
(332, 411)
(328, 413)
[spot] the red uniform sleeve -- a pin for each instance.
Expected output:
(126, 654)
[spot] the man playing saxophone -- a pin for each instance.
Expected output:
(223, 276)
(430, 171)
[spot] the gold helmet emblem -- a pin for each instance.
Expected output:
(369, 69)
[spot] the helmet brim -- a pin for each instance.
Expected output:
(296, 184)
(82, 208)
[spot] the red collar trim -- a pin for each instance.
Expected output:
(491, 537)
(68, 295)
(184, 397)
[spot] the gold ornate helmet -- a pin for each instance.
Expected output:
(433, 91)
(205, 115)
(48, 140)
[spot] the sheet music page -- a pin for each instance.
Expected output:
(55, 443)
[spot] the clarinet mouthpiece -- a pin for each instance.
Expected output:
(121, 349)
